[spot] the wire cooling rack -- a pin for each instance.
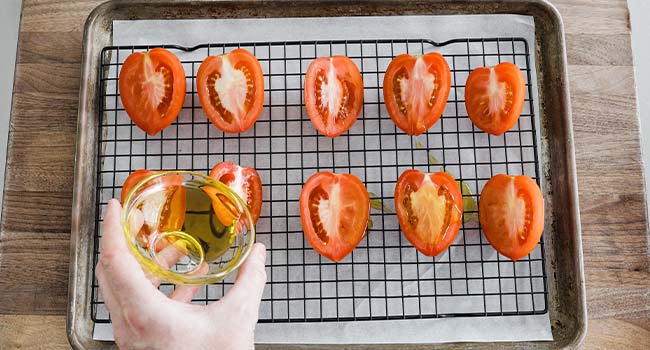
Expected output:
(384, 277)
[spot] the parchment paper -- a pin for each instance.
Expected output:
(437, 28)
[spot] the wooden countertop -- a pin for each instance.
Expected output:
(35, 230)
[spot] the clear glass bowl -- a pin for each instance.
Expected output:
(187, 228)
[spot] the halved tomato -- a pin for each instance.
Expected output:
(152, 88)
(494, 97)
(333, 94)
(511, 213)
(429, 209)
(231, 90)
(164, 209)
(416, 90)
(334, 209)
(244, 181)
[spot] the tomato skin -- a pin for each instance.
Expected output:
(348, 83)
(220, 67)
(417, 114)
(500, 203)
(346, 199)
(413, 185)
(245, 181)
(484, 108)
(136, 96)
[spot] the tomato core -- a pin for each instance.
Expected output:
(334, 98)
(417, 92)
(158, 84)
(231, 92)
(430, 208)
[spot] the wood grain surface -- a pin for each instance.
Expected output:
(35, 228)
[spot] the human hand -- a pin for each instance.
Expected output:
(145, 318)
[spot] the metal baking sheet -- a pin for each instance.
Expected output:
(546, 178)
(384, 280)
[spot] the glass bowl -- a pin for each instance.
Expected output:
(187, 228)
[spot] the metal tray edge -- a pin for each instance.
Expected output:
(78, 325)
(581, 330)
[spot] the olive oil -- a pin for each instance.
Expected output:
(204, 225)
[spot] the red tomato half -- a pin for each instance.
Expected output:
(511, 213)
(334, 210)
(244, 181)
(333, 94)
(152, 89)
(231, 90)
(429, 208)
(416, 91)
(494, 97)
(171, 204)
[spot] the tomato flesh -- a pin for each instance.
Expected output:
(511, 213)
(333, 94)
(416, 91)
(334, 210)
(429, 208)
(231, 90)
(152, 89)
(246, 182)
(494, 97)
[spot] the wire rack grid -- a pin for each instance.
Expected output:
(384, 277)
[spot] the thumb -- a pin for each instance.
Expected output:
(246, 294)
(117, 269)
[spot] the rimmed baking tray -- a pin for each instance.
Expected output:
(563, 254)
